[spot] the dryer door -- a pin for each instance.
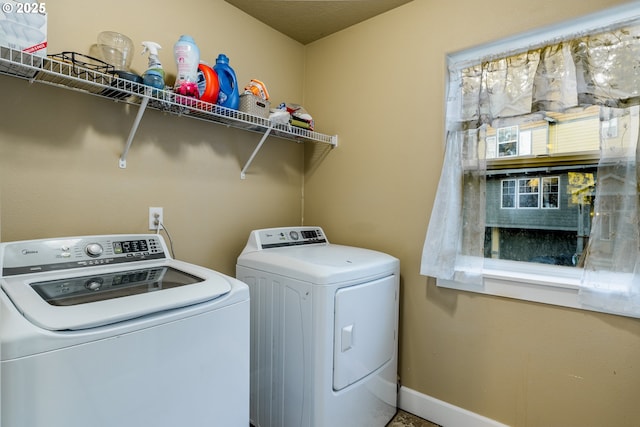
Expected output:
(364, 330)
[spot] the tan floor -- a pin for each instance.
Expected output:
(405, 419)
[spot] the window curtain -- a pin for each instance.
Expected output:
(449, 253)
(611, 279)
(600, 68)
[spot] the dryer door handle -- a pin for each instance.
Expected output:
(347, 338)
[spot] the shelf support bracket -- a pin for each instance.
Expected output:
(134, 129)
(255, 151)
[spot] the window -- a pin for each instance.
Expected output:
(508, 141)
(610, 128)
(538, 194)
(550, 192)
(508, 194)
(530, 192)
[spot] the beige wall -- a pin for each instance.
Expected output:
(380, 86)
(59, 150)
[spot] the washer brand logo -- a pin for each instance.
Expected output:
(29, 252)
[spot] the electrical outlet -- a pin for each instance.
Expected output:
(155, 218)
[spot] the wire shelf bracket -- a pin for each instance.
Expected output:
(132, 132)
(255, 151)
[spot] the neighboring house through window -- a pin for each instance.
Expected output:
(538, 195)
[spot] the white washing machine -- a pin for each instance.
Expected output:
(324, 330)
(108, 331)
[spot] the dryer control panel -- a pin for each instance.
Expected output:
(34, 256)
(269, 238)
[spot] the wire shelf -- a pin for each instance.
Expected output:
(75, 71)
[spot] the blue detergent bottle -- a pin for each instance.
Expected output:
(228, 96)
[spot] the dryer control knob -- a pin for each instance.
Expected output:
(93, 250)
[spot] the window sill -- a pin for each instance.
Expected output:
(547, 284)
(555, 285)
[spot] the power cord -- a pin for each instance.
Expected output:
(161, 226)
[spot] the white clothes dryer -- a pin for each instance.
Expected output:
(108, 331)
(324, 330)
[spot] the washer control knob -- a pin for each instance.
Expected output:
(93, 250)
(294, 235)
(93, 284)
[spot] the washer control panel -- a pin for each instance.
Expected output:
(286, 236)
(33, 256)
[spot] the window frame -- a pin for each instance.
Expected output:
(547, 284)
(514, 196)
(557, 192)
(528, 194)
(540, 193)
(508, 136)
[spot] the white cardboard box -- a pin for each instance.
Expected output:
(23, 26)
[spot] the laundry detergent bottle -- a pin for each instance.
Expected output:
(208, 83)
(187, 56)
(228, 95)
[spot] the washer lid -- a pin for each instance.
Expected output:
(321, 264)
(91, 298)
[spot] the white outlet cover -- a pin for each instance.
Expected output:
(152, 217)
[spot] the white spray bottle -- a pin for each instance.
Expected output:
(154, 76)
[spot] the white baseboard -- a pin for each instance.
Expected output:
(440, 412)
